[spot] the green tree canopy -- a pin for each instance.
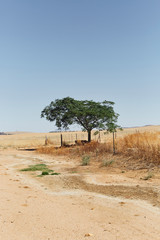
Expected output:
(88, 114)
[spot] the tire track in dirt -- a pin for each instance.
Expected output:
(71, 182)
(128, 192)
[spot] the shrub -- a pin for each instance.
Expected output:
(107, 163)
(85, 160)
(150, 175)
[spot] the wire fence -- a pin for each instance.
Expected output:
(69, 138)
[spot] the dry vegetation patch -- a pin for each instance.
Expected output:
(137, 150)
(143, 146)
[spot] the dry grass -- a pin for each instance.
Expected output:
(75, 150)
(94, 151)
(143, 146)
(136, 143)
(22, 140)
(38, 139)
(54, 150)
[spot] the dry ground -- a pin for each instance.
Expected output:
(83, 202)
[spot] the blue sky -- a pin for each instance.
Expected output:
(87, 49)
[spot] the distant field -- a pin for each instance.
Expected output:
(18, 140)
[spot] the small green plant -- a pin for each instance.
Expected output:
(74, 172)
(55, 173)
(85, 160)
(37, 167)
(40, 167)
(107, 163)
(48, 172)
(150, 175)
(45, 173)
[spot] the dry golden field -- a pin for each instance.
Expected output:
(20, 140)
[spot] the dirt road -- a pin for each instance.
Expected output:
(61, 208)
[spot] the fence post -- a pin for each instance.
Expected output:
(99, 137)
(61, 140)
(114, 149)
(46, 141)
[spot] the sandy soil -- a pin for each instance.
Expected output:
(81, 203)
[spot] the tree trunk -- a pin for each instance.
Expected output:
(89, 135)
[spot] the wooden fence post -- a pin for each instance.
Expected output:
(114, 149)
(46, 141)
(99, 137)
(61, 140)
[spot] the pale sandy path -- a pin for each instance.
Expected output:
(29, 211)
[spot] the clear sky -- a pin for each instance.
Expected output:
(86, 49)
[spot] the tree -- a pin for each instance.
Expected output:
(88, 114)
